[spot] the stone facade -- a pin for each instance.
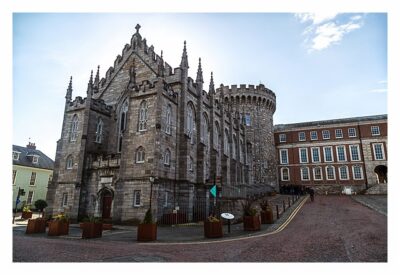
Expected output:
(149, 134)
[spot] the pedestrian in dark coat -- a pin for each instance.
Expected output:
(312, 194)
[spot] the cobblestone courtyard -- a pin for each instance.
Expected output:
(330, 229)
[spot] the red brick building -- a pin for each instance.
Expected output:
(330, 155)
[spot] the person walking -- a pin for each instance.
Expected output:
(311, 194)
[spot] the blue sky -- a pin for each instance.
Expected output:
(320, 66)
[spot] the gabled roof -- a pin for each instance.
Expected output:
(25, 158)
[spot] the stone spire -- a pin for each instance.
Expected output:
(211, 88)
(90, 85)
(68, 96)
(184, 61)
(199, 77)
(161, 65)
(97, 80)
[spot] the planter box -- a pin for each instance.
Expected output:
(147, 232)
(107, 226)
(213, 229)
(267, 217)
(57, 228)
(251, 223)
(26, 215)
(36, 226)
(91, 230)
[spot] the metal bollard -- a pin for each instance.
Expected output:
(289, 201)
(284, 206)
(277, 211)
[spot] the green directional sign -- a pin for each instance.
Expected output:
(213, 190)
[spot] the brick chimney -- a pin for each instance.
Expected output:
(31, 146)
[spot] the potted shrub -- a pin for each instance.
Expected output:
(59, 225)
(147, 230)
(40, 205)
(251, 221)
(36, 226)
(26, 213)
(213, 227)
(267, 216)
(92, 228)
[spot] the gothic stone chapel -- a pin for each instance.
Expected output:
(149, 136)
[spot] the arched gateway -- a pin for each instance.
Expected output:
(381, 173)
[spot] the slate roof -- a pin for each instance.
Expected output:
(280, 127)
(44, 162)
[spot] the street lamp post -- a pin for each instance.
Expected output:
(151, 179)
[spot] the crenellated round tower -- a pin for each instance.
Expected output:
(255, 105)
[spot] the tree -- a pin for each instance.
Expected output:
(40, 205)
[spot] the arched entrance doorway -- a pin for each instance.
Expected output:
(381, 173)
(106, 202)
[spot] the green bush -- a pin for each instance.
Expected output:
(40, 205)
(148, 217)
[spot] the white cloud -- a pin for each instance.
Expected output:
(324, 30)
(379, 91)
(329, 33)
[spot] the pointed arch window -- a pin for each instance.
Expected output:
(140, 154)
(234, 145)
(168, 119)
(99, 130)
(122, 123)
(74, 128)
(216, 136)
(167, 157)
(190, 164)
(143, 116)
(190, 122)
(204, 130)
(226, 142)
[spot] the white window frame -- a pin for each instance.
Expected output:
(167, 157)
(281, 158)
(320, 169)
(324, 148)
(30, 200)
(312, 155)
(282, 174)
(282, 138)
(137, 200)
(35, 159)
(300, 156)
(14, 176)
(326, 134)
(314, 135)
(143, 112)
(190, 164)
(340, 172)
(344, 153)
(338, 133)
(333, 171)
(382, 149)
(354, 173)
(74, 128)
(64, 201)
(358, 152)
(350, 132)
(69, 163)
(16, 155)
(140, 155)
(302, 136)
(168, 119)
(165, 199)
(375, 130)
(32, 179)
(302, 175)
(99, 131)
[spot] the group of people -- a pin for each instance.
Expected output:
(293, 189)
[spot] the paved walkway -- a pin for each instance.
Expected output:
(330, 229)
(375, 202)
